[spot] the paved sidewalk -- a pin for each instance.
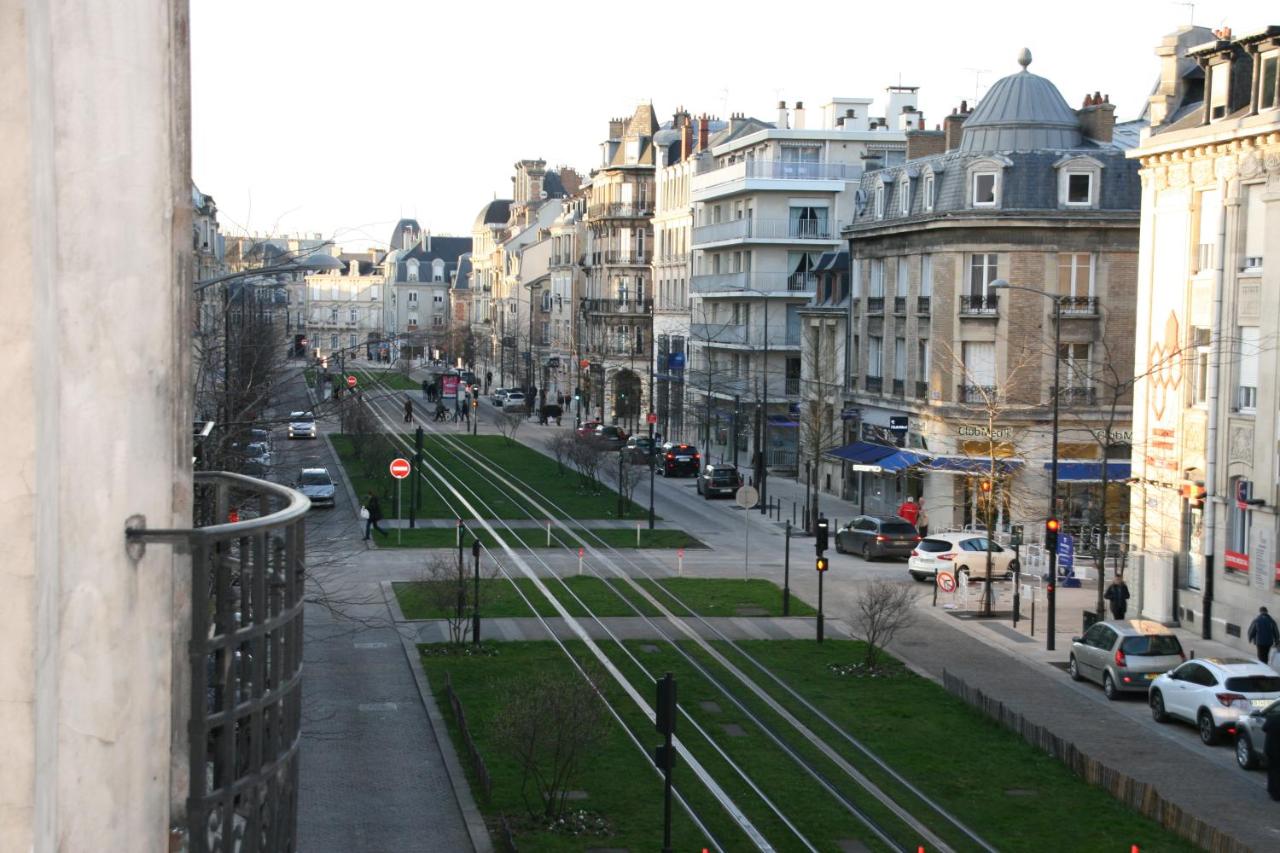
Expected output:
(635, 628)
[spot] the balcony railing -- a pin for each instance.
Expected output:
(754, 282)
(979, 304)
(899, 304)
(717, 333)
(922, 389)
(637, 258)
(782, 170)
(244, 659)
(978, 393)
(875, 384)
(762, 229)
(791, 386)
(1076, 396)
(875, 304)
(924, 305)
(635, 210)
(711, 334)
(1079, 306)
(899, 388)
(617, 306)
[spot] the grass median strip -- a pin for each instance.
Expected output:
(536, 537)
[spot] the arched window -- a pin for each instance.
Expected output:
(437, 270)
(411, 270)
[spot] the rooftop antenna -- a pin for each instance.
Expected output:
(977, 81)
(724, 102)
(1191, 7)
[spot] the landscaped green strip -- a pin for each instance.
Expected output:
(533, 537)
(617, 778)
(726, 596)
(1022, 788)
(368, 380)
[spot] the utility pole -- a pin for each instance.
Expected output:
(415, 490)
(475, 618)
(737, 421)
(651, 451)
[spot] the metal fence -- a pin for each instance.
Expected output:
(477, 761)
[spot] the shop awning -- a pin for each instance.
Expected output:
(863, 452)
(971, 465)
(1074, 471)
(901, 461)
(782, 421)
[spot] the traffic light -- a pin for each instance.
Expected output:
(821, 564)
(1051, 528)
(665, 707)
(986, 487)
(823, 529)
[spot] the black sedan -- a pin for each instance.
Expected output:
(678, 460)
(875, 536)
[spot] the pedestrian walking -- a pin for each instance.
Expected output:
(922, 519)
(426, 390)
(488, 380)
(408, 410)
(372, 512)
(909, 510)
(1263, 633)
(1117, 596)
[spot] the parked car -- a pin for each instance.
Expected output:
(316, 484)
(609, 437)
(257, 458)
(1213, 693)
(1124, 656)
(961, 553)
(498, 395)
(1250, 739)
(719, 480)
(679, 460)
(588, 429)
(875, 536)
(302, 425)
(636, 450)
(514, 402)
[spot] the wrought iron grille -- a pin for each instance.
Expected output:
(245, 656)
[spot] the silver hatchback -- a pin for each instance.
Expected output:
(1124, 656)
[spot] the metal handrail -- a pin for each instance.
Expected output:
(298, 506)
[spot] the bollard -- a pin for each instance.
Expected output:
(793, 513)
(637, 534)
(580, 561)
(548, 534)
(680, 562)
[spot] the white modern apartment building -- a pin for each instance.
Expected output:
(343, 309)
(768, 200)
(1207, 405)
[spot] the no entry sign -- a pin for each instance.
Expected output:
(351, 382)
(399, 468)
(946, 582)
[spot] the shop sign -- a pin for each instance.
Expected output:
(980, 431)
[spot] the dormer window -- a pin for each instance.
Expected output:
(1079, 181)
(1079, 188)
(904, 196)
(1219, 89)
(927, 200)
(1269, 80)
(437, 270)
(411, 270)
(984, 188)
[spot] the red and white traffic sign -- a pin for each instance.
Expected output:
(946, 582)
(581, 551)
(584, 364)
(351, 381)
(400, 468)
(653, 419)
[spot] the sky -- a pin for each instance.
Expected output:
(341, 117)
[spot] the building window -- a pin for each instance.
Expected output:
(411, 270)
(1247, 382)
(1075, 372)
(808, 223)
(353, 341)
(437, 298)
(1255, 219)
(875, 356)
(1079, 189)
(927, 200)
(979, 364)
(437, 270)
(926, 275)
(1239, 520)
(1269, 82)
(1209, 221)
(1075, 275)
(904, 197)
(355, 315)
(1199, 366)
(879, 203)
(1219, 91)
(922, 360)
(333, 315)
(984, 189)
(982, 271)
(901, 282)
(437, 320)
(333, 342)
(413, 297)
(876, 286)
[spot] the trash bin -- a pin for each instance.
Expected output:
(1089, 617)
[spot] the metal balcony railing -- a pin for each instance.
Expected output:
(805, 282)
(784, 170)
(245, 659)
(763, 229)
(625, 257)
(766, 282)
(617, 306)
(924, 305)
(977, 393)
(1077, 306)
(979, 304)
(900, 305)
(899, 388)
(875, 304)
(635, 210)
(875, 384)
(1076, 396)
(791, 386)
(922, 389)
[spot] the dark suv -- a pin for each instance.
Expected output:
(610, 437)
(877, 536)
(719, 480)
(637, 449)
(678, 460)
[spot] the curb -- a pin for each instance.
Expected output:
(476, 829)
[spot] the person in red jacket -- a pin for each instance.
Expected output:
(909, 510)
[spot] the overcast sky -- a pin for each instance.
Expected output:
(340, 117)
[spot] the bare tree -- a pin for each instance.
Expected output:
(821, 428)
(550, 724)
(446, 590)
(881, 610)
(561, 447)
(508, 423)
(629, 476)
(586, 456)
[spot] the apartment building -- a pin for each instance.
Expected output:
(343, 311)
(769, 200)
(559, 302)
(487, 234)
(616, 311)
(418, 271)
(1203, 509)
(950, 382)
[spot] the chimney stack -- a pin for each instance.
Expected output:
(953, 126)
(925, 143)
(686, 138)
(799, 115)
(1097, 117)
(704, 131)
(782, 115)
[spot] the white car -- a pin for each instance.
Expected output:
(498, 395)
(959, 553)
(513, 401)
(317, 485)
(1213, 693)
(302, 425)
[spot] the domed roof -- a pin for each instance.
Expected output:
(495, 212)
(1021, 112)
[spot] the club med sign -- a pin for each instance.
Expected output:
(980, 431)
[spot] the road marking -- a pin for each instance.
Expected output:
(377, 707)
(370, 645)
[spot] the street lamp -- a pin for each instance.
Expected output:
(1051, 597)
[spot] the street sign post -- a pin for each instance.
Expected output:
(946, 582)
(652, 418)
(746, 497)
(400, 468)
(351, 381)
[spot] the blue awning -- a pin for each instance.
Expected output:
(900, 461)
(782, 421)
(976, 465)
(1072, 471)
(863, 452)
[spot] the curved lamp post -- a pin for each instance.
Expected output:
(1051, 598)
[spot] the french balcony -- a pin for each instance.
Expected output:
(924, 305)
(979, 305)
(900, 305)
(754, 282)
(922, 390)
(751, 228)
(626, 258)
(1079, 306)
(982, 394)
(244, 659)
(617, 306)
(875, 304)
(791, 386)
(1076, 396)
(616, 210)
(899, 388)
(874, 384)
